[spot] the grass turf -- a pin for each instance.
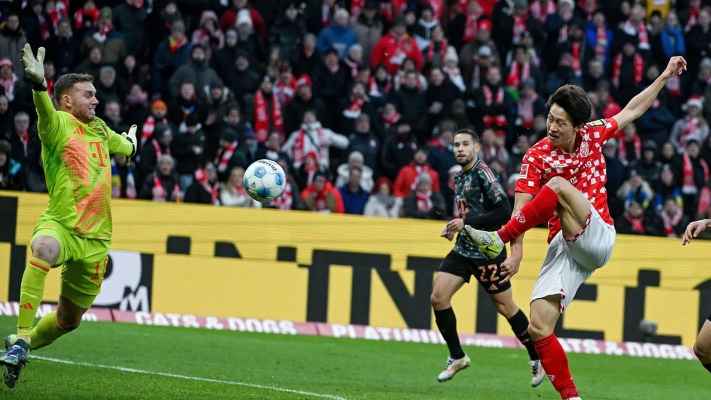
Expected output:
(353, 369)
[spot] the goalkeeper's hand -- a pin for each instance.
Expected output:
(131, 137)
(34, 67)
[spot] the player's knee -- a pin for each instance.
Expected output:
(557, 184)
(703, 352)
(46, 250)
(439, 301)
(506, 309)
(539, 330)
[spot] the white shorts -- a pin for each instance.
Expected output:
(569, 263)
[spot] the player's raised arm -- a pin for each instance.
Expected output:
(48, 121)
(512, 263)
(642, 101)
(124, 143)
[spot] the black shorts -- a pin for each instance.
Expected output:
(488, 273)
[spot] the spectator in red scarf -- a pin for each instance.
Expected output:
(357, 104)
(630, 146)
(406, 178)
(633, 221)
(205, 189)
(314, 139)
(672, 219)
(267, 111)
(423, 202)
(322, 196)
(528, 106)
(635, 26)
(162, 185)
(241, 8)
(393, 48)
(233, 193)
(493, 103)
(694, 176)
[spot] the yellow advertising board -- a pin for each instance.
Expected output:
(301, 266)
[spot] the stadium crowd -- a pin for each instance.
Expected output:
(358, 100)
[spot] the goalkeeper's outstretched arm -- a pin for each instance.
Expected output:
(48, 120)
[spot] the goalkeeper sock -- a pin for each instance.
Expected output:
(47, 331)
(31, 291)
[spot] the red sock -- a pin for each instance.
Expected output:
(555, 362)
(534, 213)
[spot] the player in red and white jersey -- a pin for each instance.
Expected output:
(562, 182)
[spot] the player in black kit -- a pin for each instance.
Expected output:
(482, 204)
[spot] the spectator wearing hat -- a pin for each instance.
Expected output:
(691, 126)
(198, 72)
(171, 53)
(208, 34)
(129, 18)
(424, 202)
(302, 101)
(158, 116)
(352, 192)
(322, 196)
(189, 149)
(249, 41)
(355, 160)
(393, 48)
(160, 144)
(339, 36)
(381, 202)
(369, 26)
(240, 12)
(162, 185)
(12, 40)
(12, 177)
(204, 188)
(287, 30)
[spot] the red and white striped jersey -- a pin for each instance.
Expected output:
(584, 168)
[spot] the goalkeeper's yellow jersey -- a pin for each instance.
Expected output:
(77, 168)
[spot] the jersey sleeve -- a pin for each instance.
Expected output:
(601, 130)
(531, 173)
(48, 119)
(494, 192)
(119, 144)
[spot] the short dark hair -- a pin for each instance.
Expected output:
(467, 131)
(574, 101)
(67, 81)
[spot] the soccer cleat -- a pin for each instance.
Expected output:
(537, 373)
(454, 366)
(488, 243)
(14, 360)
(9, 340)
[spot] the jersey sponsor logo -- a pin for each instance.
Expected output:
(524, 171)
(584, 149)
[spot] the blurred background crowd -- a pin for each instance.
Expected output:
(358, 99)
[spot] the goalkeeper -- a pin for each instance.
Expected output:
(74, 232)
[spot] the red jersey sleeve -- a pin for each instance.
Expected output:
(531, 174)
(601, 130)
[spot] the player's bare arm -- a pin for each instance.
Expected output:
(694, 230)
(642, 101)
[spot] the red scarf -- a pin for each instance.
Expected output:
(161, 195)
(489, 98)
(175, 44)
(441, 50)
(519, 28)
(642, 35)
(284, 202)
(688, 183)
(353, 111)
(261, 116)
(638, 68)
(25, 139)
(470, 28)
(670, 221)
(519, 73)
(424, 203)
(637, 224)
(299, 148)
(214, 189)
(392, 119)
(636, 142)
(223, 160)
(285, 90)
(576, 51)
(92, 15)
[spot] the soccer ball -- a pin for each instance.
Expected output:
(264, 180)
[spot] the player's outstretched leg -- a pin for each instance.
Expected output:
(557, 194)
(445, 285)
(45, 251)
(519, 325)
(544, 316)
(702, 347)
